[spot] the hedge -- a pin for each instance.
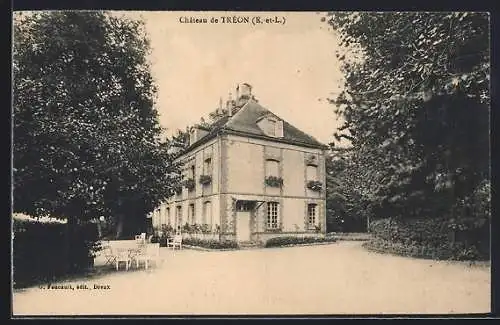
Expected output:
(211, 243)
(448, 251)
(160, 239)
(46, 251)
(431, 231)
(291, 240)
(430, 238)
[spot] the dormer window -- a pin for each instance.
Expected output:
(192, 136)
(271, 126)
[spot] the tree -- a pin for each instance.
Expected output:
(416, 107)
(346, 195)
(87, 140)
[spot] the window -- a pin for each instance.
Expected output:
(207, 213)
(312, 173)
(178, 216)
(272, 168)
(279, 129)
(191, 214)
(162, 214)
(272, 215)
(157, 216)
(207, 166)
(272, 128)
(311, 215)
(193, 172)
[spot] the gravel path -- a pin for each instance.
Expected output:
(341, 278)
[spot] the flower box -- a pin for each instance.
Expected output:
(274, 181)
(311, 160)
(316, 186)
(205, 179)
(189, 184)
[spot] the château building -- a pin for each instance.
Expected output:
(249, 176)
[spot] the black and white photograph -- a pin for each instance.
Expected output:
(250, 163)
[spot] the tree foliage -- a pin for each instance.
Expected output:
(87, 140)
(416, 108)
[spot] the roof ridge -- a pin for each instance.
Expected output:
(245, 122)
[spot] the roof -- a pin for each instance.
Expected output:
(244, 122)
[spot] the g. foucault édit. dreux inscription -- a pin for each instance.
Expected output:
(81, 286)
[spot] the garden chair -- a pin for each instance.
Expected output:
(150, 253)
(123, 255)
(109, 255)
(175, 242)
(140, 238)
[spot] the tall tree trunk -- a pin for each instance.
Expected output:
(99, 229)
(119, 225)
(71, 225)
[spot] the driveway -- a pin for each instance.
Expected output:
(340, 278)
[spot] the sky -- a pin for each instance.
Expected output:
(292, 66)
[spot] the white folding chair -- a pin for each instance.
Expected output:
(109, 255)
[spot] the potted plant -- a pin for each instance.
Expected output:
(316, 186)
(205, 228)
(274, 181)
(205, 179)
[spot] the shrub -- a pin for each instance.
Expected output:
(431, 238)
(186, 228)
(205, 228)
(210, 243)
(291, 240)
(168, 230)
(159, 239)
(432, 231)
(45, 251)
(447, 251)
(195, 228)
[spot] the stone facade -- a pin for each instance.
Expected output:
(239, 164)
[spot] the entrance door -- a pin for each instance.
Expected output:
(243, 225)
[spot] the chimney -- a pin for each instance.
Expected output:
(219, 109)
(237, 93)
(244, 92)
(230, 105)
